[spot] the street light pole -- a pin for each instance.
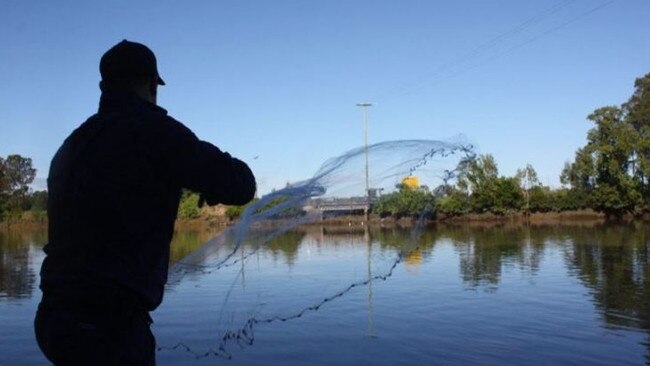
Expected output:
(365, 140)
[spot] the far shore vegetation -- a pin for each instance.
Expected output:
(609, 176)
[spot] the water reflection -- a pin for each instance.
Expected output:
(287, 245)
(17, 272)
(485, 251)
(187, 239)
(614, 262)
(611, 261)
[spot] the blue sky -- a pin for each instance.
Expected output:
(279, 80)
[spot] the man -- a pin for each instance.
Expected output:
(114, 189)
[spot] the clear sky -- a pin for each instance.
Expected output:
(276, 82)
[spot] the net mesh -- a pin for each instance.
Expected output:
(234, 275)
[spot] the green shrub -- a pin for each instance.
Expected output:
(189, 206)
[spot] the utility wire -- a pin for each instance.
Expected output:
(425, 79)
(513, 48)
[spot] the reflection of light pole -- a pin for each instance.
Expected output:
(371, 311)
(365, 140)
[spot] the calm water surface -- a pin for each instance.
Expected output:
(483, 295)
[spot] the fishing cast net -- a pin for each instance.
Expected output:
(263, 270)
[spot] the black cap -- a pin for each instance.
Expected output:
(129, 61)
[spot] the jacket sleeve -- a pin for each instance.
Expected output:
(201, 167)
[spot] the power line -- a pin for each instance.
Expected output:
(522, 44)
(425, 79)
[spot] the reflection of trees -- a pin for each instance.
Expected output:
(485, 251)
(614, 262)
(186, 241)
(287, 244)
(17, 277)
(402, 240)
(337, 235)
(202, 243)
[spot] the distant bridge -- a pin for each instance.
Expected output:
(340, 205)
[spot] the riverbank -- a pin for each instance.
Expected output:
(214, 218)
(578, 217)
(547, 218)
(23, 225)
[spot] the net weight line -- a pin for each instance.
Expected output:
(245, 336)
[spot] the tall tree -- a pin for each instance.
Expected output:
(4, 180)
(17, 173)
(488, 191)
(605, 167)
(474, 173)
(580, 174)
(527, 178)
(637, 109)
(611, 142)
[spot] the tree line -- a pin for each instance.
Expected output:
(480, 189)
(610, 174)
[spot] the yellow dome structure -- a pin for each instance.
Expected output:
(414, 257)
(411, 182)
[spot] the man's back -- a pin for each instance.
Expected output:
(114, 190)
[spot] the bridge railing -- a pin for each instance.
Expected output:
(342, 202)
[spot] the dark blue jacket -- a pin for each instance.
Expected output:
(114, 188)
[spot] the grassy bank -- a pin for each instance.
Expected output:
(548, 218)
(212, 218)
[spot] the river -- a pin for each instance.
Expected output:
(484, 295)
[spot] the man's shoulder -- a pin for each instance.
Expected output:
(158, 132)
(89, 127)
(148, 119)
(165, 124)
